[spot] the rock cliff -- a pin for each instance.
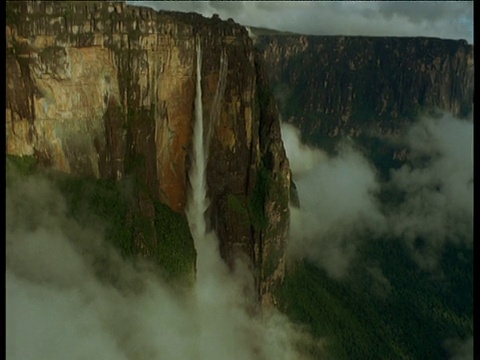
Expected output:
(331, 86)
(106, 91)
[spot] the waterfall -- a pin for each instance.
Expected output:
(198, 196)
(211, 272)
(198, 202)
(206, 244)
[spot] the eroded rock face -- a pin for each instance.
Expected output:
(107, 90)
(331, 86)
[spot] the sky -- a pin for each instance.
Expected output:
(443, 19)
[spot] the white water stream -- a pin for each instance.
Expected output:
(198, 202)
(222, 326)
(213, 283)
(211, 270)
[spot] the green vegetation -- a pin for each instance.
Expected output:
(258, 198)
(312, 298)
(107, 202)
(176, 250)
(271, 262)
(409, 320)
(251, 209)
(99, 199)
(19, 165)
(237, 204)
(170, 237)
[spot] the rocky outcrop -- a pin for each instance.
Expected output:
(105, 90)
(331, 86)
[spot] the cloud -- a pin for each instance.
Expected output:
(340, 206)
(424, 11)
(444, 19)
(302, 157)
(460, 349)
(337, 204)
(69, 295)
(438, 188)
(381, 286)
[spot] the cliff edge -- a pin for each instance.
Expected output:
(103, 90)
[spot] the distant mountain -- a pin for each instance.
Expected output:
(332, 86)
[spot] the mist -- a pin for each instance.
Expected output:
(70, 295)
(460, 349)
(340, 206)
(302, 158)
(437, 185)
(337, 203)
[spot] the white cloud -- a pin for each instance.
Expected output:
(438, 188)
(444, 19)
(460, 349)
(302, 157)
(70, 296)
(337, 205)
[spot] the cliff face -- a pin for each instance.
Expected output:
(333, 85)
(105, 90)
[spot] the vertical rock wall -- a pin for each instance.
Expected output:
(105, 90)
(333, 86)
